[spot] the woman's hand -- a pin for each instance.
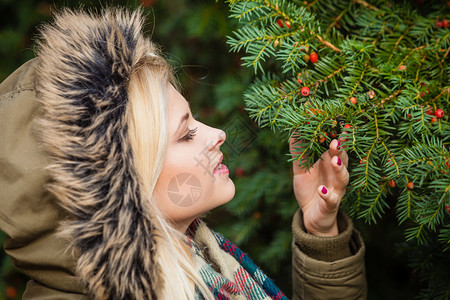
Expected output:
(319, 191)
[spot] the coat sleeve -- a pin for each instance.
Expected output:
(328, 267)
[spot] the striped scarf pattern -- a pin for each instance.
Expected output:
(228, 272)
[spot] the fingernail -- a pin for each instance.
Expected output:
(324, 190)
(339, 162)
(338, 145)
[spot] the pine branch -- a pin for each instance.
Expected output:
(379, 79)
(365, 4)
(328, 44)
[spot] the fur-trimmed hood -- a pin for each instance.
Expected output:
(85, 65)
(82, 71)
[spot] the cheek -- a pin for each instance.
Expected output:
(185, 185)
(191, 159)
(186, 161)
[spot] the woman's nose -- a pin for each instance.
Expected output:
(217, 138)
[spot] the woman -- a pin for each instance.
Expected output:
(96, 140)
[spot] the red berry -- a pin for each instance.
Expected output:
(347, 126)
(305, 91)
(445, 23)
(391, 183)
(433, 120)
(333, 134)
(353, 100)
(312, 111)
(147, 3)
(447, 207)
(299, 80)
(438, 24)
(429, 111)
(313, 57)
(288, 24)
(276, 43)
(439, 113)
(410, 185)
(402, 68)
(11, 292)
(448, 164)
(322, 139)
(280, 23)
(240, 171)
(257, 215)
(393, 163)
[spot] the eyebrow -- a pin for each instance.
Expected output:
(183, 119)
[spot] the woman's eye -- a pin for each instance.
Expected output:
(189, 135)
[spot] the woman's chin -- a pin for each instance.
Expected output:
(227, 194)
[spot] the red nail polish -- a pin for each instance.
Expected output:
(324, 190)
(339, 162)
(338, 145)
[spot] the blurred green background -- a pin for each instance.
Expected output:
(193, 35)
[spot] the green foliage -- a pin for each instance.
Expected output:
(390, 59)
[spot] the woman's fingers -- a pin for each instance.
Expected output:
(336, 150)
(295, 148)
(330, 198)
(340, 170)
(335, 147)
(342, 140)
(336, 187)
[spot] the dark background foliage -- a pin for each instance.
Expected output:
(193, 36)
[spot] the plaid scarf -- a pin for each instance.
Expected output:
(227, 271)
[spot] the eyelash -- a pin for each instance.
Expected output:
(190, 135)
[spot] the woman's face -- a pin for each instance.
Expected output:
(189, 185)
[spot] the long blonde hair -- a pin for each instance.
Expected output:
(148, 131)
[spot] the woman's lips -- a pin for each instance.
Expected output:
(222, 170)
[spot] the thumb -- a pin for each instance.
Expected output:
(330, 199)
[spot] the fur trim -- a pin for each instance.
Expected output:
(85, 64)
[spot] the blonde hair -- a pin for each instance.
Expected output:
(148, 132)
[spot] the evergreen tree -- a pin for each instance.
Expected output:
(377, 74)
